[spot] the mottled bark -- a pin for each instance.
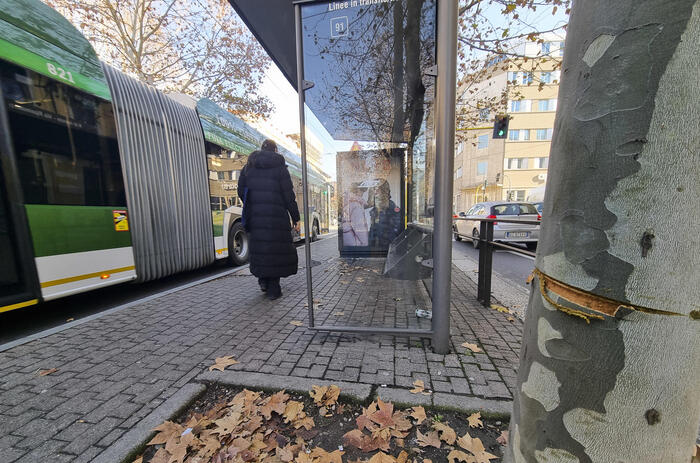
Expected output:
(621, 220)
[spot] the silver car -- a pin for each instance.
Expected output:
(467, 227)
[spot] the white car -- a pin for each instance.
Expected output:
(466, 225)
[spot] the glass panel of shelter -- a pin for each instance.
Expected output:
(370, 115)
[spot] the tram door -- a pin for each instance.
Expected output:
(14, 288)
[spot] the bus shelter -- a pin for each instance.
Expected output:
(376, 83)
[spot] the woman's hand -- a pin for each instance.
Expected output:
(297, 227)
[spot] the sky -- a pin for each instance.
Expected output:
(286, 114)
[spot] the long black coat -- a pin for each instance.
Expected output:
(269, 204)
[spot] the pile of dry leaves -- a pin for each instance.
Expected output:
(254, 427)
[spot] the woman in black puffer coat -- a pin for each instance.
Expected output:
(268, 204)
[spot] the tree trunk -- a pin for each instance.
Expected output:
(609, 367)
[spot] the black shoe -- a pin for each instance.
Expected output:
(273, 296)
(263, 285)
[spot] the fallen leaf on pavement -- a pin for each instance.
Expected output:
(138, 460)
(419, 414)
(47, 372)
(403, 457)
(475, 420)
(476, 447)
(500, 308)
(70, 319)
(471, 347)
(446, 433)
(529, 279)
(296, 323)
(430, 439)
(457, 455)
(503, 438)
(222, 362)
(511, 319)
(419, 386)
(427, 460)
(338, 314)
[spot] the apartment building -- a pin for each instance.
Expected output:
(515, 168)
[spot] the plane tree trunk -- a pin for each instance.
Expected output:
(610, 362)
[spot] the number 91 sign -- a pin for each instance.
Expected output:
(339, 27)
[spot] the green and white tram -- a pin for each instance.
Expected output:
(103, 179)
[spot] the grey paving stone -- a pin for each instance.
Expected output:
(403, 396)
(468, 404)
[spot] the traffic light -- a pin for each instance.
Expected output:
(500, 127)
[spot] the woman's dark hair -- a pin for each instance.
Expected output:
(269, 145)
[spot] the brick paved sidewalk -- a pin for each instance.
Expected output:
(115, 370)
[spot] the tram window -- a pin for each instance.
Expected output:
(64, 140)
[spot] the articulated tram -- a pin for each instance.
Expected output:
(105, 180)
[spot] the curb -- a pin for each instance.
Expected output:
(135, 439)
(458, 403)
(354, 391)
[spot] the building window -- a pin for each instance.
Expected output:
(520, 106)
(528, 77)
(542, 163)
(519, 135)
(484, 114)
(561, 48)
(546, 77)
(516, 163)
(481, 167)
(547, 105)
(516, 195)
(458, 173)
(512, 76)
(544, 134)
(555, 76)
(545, 48)
(483, 142)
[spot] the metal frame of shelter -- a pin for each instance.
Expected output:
(444, 164)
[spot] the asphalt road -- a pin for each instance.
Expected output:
(510, 265)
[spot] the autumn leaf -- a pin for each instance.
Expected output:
(166, 431)
(475, 420)
(476, 448)
(403, 457)
(227, 424)
(500, 308)
(138, 460)
(418, 413)
(419, 386)
(47, 372)
(285, 454)
(503, 438)
(383, 417)
(447, 434)
(471, 347)
(431, 439)
(325, 395)
(292, 411)
(327, 457)
(511, 319)
(381, 457)
(338, 314)
(296, 323)
(457, 455)
(222, 362)
(276, 403)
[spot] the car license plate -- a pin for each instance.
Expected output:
(517, 234)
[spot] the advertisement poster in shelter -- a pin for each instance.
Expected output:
(370, 201)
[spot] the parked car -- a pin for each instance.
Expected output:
(468, 228)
